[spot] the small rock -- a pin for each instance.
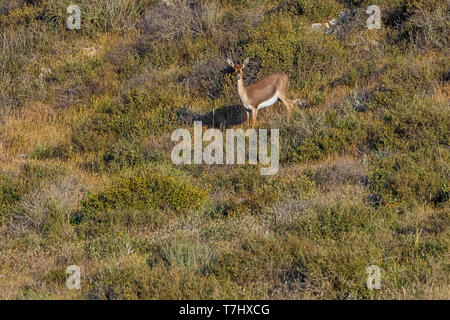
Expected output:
(44, 71)
(316, 27)
(374, 44)
(300, 102)
(90, 52)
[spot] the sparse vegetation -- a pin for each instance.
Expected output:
(85, 171)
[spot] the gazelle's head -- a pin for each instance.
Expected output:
(238, 68)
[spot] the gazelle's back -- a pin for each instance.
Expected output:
(267, 89)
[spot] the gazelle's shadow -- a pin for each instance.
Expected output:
(224, 117)
(221, 118)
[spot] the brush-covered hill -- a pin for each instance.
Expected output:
(86, 176)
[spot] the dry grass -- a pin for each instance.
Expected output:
(363, 173)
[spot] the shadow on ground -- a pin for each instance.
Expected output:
(222, 118)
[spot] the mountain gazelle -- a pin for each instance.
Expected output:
(263, 93)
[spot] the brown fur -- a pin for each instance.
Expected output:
(253, 95)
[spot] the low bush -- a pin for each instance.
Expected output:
(149, 188)
(46, 210)
(330, 175)
(184, 252)
(401, 82)
(420, 176)
(157, 282)
(428, 29)
(171, 20)
(318, 11)
(338, 133)
(10, 193)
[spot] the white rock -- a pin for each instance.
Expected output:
(91, 51)
(316, 26)
(44, 71)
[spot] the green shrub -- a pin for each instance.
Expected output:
(428, 29)
(337, 221)
(402, 81)
(138, 114)
(296, 186)
(60, 151)
(415, 176)
(56, 276)
(283, 44)
(252, 193)
(419, 122)
(135, 280)
(250, 259)
(339, 134)
(318, 11)
(363, 177)
(124, 153)
(184, 252)
(111, 223)
(33, 174)
(10, 192)
(149, 188)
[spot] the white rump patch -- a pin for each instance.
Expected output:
(269, 102)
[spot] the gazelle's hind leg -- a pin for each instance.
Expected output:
(286, 102)
(248, 118)
(282, 94)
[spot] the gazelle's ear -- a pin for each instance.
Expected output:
(246, 62)
(230, 62)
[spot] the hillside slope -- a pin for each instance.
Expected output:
(86, 176)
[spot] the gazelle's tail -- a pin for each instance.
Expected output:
(299, 102)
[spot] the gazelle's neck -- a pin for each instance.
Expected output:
(241, 88)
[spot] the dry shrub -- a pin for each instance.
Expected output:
(430, 29)
(421, 23)
(46, 208)
(122, 15)
(287, 211)
(207, 76)
(9, 5)
(342, 171)
(169, 20)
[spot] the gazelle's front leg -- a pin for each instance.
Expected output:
(254, 115)
(248, 118)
